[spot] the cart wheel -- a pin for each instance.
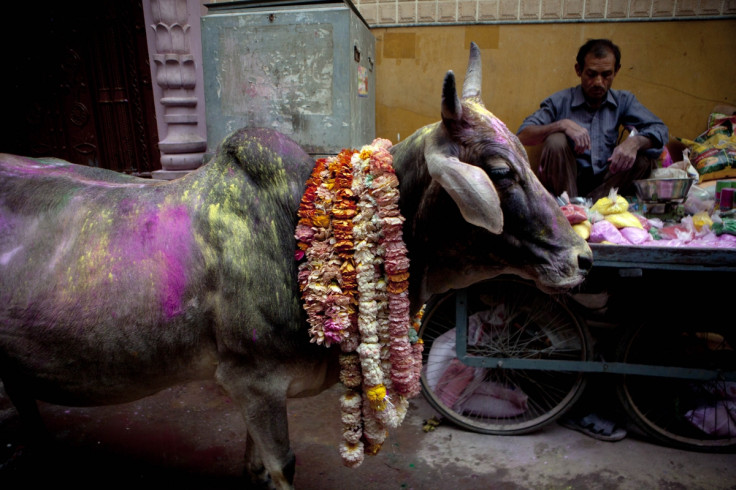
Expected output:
(688, 414)
(509, 319)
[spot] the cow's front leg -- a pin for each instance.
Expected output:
(32, 425)
(254, 464)
(261, 397)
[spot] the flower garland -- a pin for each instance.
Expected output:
(354, 284)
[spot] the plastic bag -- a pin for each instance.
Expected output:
(456, 377)
(604, 231)
(726, 225)
(583, 229)
(665, 158)
(718, 420)
(699, 200)
(492, 399)
(624, 220)
(670, 172)
(575, 214)
(646, 223)
(636, 236)
(613, 203)
(686, 165)
(714, 151)
(678, 170)
(702, 219)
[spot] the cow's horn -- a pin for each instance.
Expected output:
(470, 188)
(452, 110)
(474, 75)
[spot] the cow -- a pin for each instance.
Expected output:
(114, 287)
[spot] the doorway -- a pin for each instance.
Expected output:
(76, 84)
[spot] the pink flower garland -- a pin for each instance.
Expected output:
(357, 296)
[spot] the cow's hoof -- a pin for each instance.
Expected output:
(13, 463)
(259, 477)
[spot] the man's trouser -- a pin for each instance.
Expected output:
(558, 171)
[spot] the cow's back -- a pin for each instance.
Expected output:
(245, 230)
(113, 287)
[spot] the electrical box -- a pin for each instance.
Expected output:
(305, 69)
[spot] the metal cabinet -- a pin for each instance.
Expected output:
(305, 69)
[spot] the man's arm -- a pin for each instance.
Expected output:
(535, 135)
(624, 155)
(652, 134)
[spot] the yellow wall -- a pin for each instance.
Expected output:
(679, 69)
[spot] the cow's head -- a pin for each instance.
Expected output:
(474, 207)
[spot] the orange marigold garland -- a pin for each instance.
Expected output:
(354, 284)
(324, 234)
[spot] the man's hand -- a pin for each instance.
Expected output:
(578, 134)
(624, 155)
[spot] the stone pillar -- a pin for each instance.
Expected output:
(175, 50)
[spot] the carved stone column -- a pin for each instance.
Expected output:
(175, 50)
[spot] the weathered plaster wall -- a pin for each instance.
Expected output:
(382, 13)
(679, 69)
(679, 56)
(403, 12)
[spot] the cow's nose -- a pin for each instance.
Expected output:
(585, 261)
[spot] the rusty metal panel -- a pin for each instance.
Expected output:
(304, 70)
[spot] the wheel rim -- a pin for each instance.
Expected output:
(535, 326)
(690, 414)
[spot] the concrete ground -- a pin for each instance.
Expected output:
(190, 437)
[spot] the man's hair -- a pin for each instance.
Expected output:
(599, 48)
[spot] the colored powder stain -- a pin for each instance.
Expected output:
(475, 106)
(44, 168)
(255, 337)
(5, 257)
(92, 265)
(177, 252)
(154, 244)
(5, 223)
(233, 233)
(498, 127)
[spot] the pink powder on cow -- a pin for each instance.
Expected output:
(158, 242)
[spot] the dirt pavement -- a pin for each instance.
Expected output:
(190, 437)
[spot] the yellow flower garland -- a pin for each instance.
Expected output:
(354, 284)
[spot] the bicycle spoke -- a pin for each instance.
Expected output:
(690, 414)
(534, 326)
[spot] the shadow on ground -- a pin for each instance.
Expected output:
(191, 436)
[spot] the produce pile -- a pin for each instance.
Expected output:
(613, 220)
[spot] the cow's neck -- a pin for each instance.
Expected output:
(416, 187)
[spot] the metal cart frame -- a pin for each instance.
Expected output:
(625, 263)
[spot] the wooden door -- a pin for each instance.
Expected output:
(76, 84)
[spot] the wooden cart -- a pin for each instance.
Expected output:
(503, 358)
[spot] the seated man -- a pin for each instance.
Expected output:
(580, 127)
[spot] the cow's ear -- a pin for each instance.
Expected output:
(470, 188)
(452, 109)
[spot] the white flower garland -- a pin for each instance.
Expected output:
(355, 289)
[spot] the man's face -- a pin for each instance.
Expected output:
(596, 77)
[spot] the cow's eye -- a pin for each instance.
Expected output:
(500, 173)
